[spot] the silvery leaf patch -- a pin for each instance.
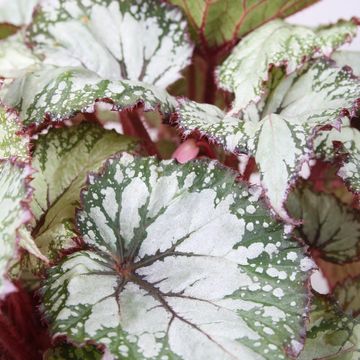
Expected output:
(136, 40)
(296, 111)
(56, 94)
(348, 58)
(14, 198)
(62, 158)
(11, 144)
(17, 12)
(185, 263)
(275, 44)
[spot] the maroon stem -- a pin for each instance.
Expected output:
(132, 125)
(11, 343)
(192, 82)
(210, 85)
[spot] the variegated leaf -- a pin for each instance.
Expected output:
(142, 40)
(27, 243)
(62, 158)
(348, 296)
(182, 263)
(15, 57)
(277, 43)
(346, 142)
(70, 352)
(330, 334)
(16, 12)
(12, 144)
(328, 226)
(221, 21)
(59, 93)
(14, 195)
(296, 111)
(348, 58)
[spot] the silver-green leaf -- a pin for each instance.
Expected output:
(183, 263)
(298, 109)
(55, 94)
(348, 58)
(11, 143)
(136, 40)
(276, 44)
(331, 334)
(14, 198)
(62, 158)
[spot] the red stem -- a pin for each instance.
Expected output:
(192, 81)
(132, 125)
(210, 85)
(12, 344)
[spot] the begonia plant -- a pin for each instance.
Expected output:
(179, 180)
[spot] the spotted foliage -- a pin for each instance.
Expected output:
(277, 43)
(14, 195)
(12, 144)
(62, 158)
(186, 264)
(143, 40)
(56, 94)
(296, 111)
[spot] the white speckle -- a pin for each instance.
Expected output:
(250, 226)
(268, 331)
(276, 273)
(279, 293)
(292, 256)
(307, 264)
(251, 209)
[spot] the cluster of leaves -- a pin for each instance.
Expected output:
(114, 250)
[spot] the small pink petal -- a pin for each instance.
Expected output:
(7, 288)
(187, 151)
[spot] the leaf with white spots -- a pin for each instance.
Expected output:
(14, 195)
(15, 57)
(276, 44)
(143, 40)
(348, 58)
(282, 142)
(347, 295)
(56, 94)
(62, 159)
(185, 264)
(70, 352)
(346, 144)
(328, 226)
(12, 144)
(331, 334)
